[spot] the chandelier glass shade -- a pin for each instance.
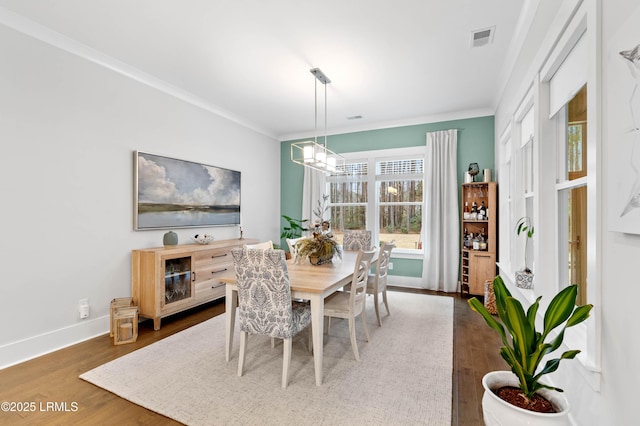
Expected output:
(316, 156)
(310, 153)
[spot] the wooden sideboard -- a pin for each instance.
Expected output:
(168, 280)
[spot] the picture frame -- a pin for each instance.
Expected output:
(622, 77)
(174, 193)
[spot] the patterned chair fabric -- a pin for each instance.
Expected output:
(264, 295)
(356, 239)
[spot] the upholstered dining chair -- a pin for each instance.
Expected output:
(377, 282)
(264, 302)
(356, 239)
(261, 246)
(349, 305)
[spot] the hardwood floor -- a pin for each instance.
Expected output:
(59, 397)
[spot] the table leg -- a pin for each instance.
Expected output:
(231, 301)
(317, 324)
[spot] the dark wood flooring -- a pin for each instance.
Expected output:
(51, 381)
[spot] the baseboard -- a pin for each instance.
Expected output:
(23, 350)
(400, 281)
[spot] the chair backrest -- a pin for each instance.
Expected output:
(291, 242)
(382, 265)
(261, 246)
(264, 293)
(358, 291)
(356, 239)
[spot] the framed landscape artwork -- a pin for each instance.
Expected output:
(172, 193)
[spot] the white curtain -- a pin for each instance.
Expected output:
(313, 187)
(441, 221)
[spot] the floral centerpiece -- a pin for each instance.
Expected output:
(320, 247)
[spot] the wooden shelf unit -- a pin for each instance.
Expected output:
(478, 266)
(168, 280)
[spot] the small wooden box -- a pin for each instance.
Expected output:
(125, 325)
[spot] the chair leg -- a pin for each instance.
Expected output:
(376, 303)
(286, 361)
(243, 347)
(352, 335)
(384, 299)
(310, 339)
(364, 323)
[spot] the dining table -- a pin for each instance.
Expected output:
(308, 282)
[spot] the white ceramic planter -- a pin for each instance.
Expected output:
(498, 412)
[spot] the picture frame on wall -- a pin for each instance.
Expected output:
(174, 193)
(622, 77)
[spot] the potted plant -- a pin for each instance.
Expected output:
(524, 349)
(294, 229)
(524, 278)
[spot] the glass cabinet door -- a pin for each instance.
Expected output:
(177, 279)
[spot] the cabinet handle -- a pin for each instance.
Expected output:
(482, 255)
(218, 286)
(194, 276)
(220, 255)
(219, 270)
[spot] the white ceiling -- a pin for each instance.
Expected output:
(391, 62)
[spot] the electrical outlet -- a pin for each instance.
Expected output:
(83, 308)
(390, 265)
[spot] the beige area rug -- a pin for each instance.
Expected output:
(404, 376)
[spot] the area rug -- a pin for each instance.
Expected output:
(403, 377)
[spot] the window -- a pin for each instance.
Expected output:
(572, 195)
(506, 200)
(382, 191)
(523, 191)
(399, 201)
(348, 198)
(526, 140)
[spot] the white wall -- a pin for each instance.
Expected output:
(68, 129)
(611, 398)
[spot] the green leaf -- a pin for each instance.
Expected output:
(521, 332)
(478, 307)
(532, 311)
(580, 314)
(560, 308)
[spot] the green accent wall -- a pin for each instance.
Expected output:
(475, 145)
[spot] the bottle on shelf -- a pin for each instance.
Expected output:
(475, 242)
(482, 211)
(468, 241)
(482, 241)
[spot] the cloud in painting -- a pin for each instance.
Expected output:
(164, 180)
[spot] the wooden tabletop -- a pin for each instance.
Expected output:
(317, 279)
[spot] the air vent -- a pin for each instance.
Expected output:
(483, 37)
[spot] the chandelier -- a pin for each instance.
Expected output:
(310, 153)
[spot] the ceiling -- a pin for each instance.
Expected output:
(392, 63)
